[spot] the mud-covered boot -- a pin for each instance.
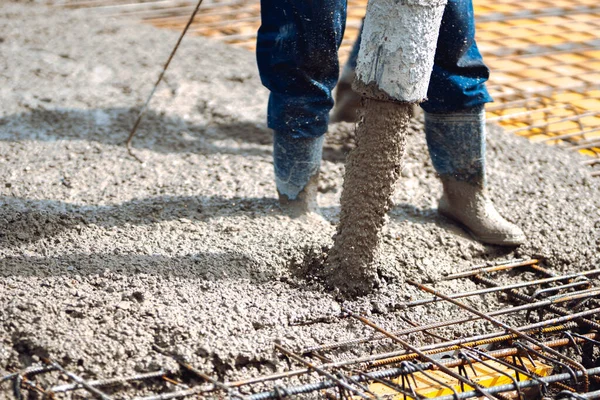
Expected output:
(456, 144)
(297, 163)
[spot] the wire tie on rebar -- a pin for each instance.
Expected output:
(385, 382)
(499, 371)
(439, 382)
(521, 350)
(462, 370)
(17, 386)
(597, 343)
(280, 392)
(408, 369)
(462, 355)
(573, 342)
(570, 395)
(548, 358)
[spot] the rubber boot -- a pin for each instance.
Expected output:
(456, 144)
(297, 163)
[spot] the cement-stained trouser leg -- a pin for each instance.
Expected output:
(455, 129)
(298, 62)
(456, 142)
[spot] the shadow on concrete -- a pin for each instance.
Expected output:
(25, 220)
(158, 132)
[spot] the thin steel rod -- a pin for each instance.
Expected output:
(516, 103)
(321, 371)
(578, 88)
(497, 337)
(501, 288)
(558, 11)
(450, 363)
(465, 359)
(548, 68)
(591, 162)
(519, 115)
(179, 394)
(494, 268)
(527, 299)
(583, 396)
(524, 384)
(488, 355)
(387, 358)
(216, 384)
(553, 289)
(421, 354)
(547, 124)
(500, 324)
(35, 369)
(77, 379)
(160, 77)
(440, 324)
(585, 145)
(108, 382)
(570, 135)
(395, 372)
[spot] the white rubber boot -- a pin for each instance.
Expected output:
(471, 207)
(456, 144)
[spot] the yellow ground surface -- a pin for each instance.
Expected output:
(433, 384)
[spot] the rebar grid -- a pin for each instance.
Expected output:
(532, 354)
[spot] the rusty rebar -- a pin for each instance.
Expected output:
(527, 299)
(421, 354)
(321, 371)
(498, 288)
(440, 324)
(522, 385)
(395, 357)
(216, 384)
(77, 379)
(504, 326)
(108, 382)
(34, 369)
(495, 268)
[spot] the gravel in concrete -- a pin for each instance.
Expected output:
(102, 257)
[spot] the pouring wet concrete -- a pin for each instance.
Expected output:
(102, 258)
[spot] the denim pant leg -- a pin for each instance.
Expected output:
(297, 54)
(459, 74)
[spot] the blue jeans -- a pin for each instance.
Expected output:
(298, 62)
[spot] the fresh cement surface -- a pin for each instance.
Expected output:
(102, 258)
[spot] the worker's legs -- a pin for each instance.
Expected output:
(455, 128)
(298, 62)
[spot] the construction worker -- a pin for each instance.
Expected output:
(298, 62)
